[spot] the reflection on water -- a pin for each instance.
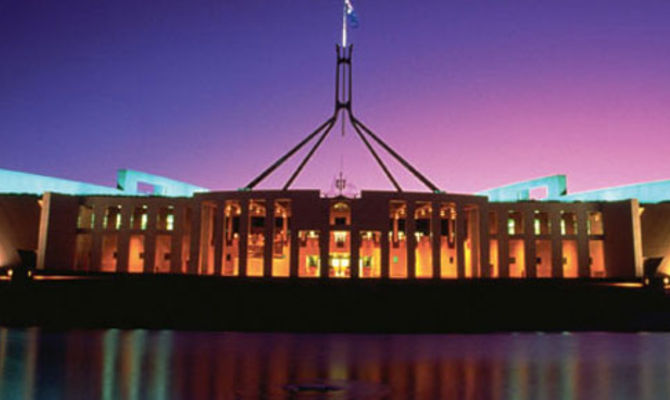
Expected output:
(139, 364)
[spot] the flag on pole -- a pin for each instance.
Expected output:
(352, 18)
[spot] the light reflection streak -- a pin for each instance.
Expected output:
(30, 363)
(60, 277)
(161, 349)
(109, 360)
(630, 285)
(133, 348)
(164, 364)
(3, 356)
(568, 369)
(338, 352)
(519, 369)
(645, 372)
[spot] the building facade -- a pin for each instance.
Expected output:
(382, 235)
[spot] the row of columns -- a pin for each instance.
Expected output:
(124, 233)
(555, 236)
(201, 228)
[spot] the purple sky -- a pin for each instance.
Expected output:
(474, 93)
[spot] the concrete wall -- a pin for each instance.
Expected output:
(19, 222)
(621, 237)
(58, 230)
(623, 246)
(125, 232)
(655, 225)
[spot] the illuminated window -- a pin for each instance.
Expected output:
(595, 223)
(369, 255)
(313, 262)
(163, 253)
(423, 251)
(568, 223)
(231, 238)
(112, 218)
(544, 257)
(570, 263)
(109, 249)
(309, 259)
(493, 223)
(165, 219)
(517, 259)
(340, 239)
(136, 254)
(281, 239)
(597, 259)
(541, 223)
(256, 238)
(139, 218)
(339, 257)
(397, 239)
(85, 217)
(340, 213)
(82, 258)
(515, 223)
(448, 268)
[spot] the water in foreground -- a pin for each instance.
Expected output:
(140, 364)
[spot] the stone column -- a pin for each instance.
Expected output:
(324, 251)
(96, 232)
(219, 210)
(529, 239)
(196, 233)
(460, 240)
(483, 242)
(503, 242)
(410, 228)
(150, 238)
(355, 241)
(269, 237)
(176, 238)
(556, 243)
(123, 239)
(435, 231)
(474, 228)
(582, 243)
(385, 254)
(244, 236)
(294, 249)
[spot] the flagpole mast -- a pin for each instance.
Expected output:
(344, 24)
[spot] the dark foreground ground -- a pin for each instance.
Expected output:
(213, 303)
